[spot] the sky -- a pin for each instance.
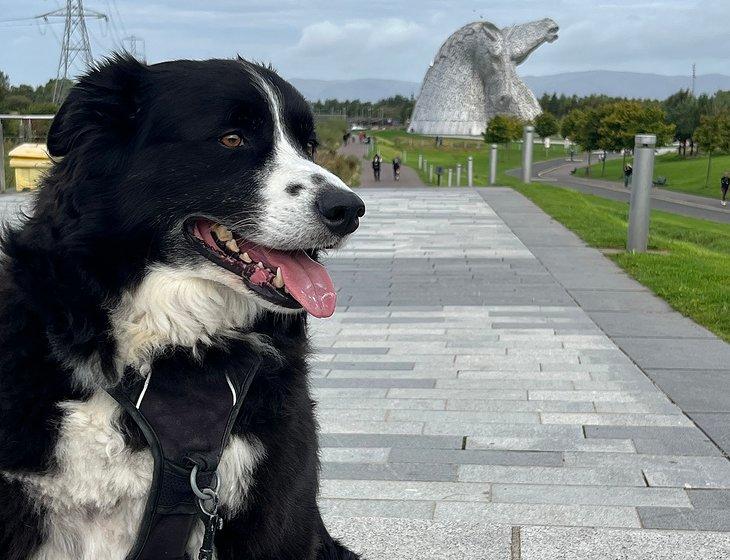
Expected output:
(391, 39)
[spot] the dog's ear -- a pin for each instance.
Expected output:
(105, 101)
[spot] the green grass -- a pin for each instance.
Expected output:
(683, 174)
(691, 267)
(396, 142)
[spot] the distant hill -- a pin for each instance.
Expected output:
(619, 84)
(623, 84)
(364, 89)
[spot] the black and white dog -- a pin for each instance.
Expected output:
(178, 232)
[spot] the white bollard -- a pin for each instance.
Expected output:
(430, 173)
(641, 183)
(458, 174)
(470, 171)
(420, 161)
(493, 164)
(450, 173)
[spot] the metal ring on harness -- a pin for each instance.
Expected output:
(196, 489)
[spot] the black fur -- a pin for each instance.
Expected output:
(139, 154)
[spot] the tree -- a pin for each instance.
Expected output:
(587, 133)
(503, 129)
(713, 135)
(623, 120)
(571, 123)
(546, 125)
(683, 112)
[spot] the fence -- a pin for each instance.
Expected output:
(15, 130)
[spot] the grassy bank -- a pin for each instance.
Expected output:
(393, 143)
(329, 134)
(683, 174)
(691, 273)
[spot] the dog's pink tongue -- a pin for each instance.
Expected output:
(307, 281)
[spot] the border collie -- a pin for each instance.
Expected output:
(178, 231)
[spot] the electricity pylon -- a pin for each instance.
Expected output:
(75, 44)
(135, 46)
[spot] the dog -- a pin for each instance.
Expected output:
(176, 236)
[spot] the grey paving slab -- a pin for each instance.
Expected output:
(476, 457)
(715, 425)
(390, 471)
(390, 440)
(709, 499)
(676, 353)
(406, 490)
(609, 476)
(685, 519)
(566, 543)
(542, 514)
(372, 507)
(400, 539)
(372, 382)
(696, 390)
(629, 323)
(589, 495)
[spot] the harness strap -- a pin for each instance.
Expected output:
(186, 420)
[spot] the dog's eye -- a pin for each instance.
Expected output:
(231, 140)
(312, 149)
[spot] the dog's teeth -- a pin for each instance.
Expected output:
(245, 258)
(260, 264)
(278, 280)
(232, 245)
(222, 232)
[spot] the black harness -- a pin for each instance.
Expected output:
(187, 421)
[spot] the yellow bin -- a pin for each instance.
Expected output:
(30, 161)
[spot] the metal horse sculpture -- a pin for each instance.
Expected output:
(474, 77)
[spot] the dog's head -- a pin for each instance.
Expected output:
(206, 165)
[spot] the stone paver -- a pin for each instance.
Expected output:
(482, 392)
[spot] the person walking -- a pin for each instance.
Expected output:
(396, 168)
(628, 171)
(724, 185)
(377, 160)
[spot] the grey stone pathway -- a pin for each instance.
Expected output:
(470, 408)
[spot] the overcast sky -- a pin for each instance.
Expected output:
(379, 38)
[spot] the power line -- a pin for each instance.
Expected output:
(75, 44)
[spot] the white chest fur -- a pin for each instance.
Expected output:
(95, 499)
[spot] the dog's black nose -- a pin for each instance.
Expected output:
(340, 210)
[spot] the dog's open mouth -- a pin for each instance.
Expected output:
(291, 279)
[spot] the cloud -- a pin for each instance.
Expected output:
(327, 38)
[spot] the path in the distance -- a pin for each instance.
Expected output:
(558, 171)
(408, 177)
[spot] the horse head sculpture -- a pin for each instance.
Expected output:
(474, 77)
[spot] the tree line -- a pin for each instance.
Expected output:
(608, 124)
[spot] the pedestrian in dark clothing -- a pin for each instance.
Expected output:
(396, 169)
(377, 160)
(628, 171)
(724, 185)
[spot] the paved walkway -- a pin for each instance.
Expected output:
(685, 204)
(475, 401)
(408, 177)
